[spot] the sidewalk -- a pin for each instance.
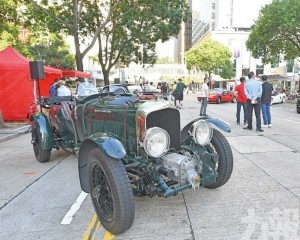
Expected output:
(13, 130)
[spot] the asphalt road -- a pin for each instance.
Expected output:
(260, 201)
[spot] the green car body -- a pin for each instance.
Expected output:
(129, 147)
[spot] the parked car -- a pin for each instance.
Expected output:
(278, 97)
(298, 104)
(129, 147)
(219, 95)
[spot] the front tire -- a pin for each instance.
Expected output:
(218, 100)
(224, 166)
(233, 100)
(40, 154)
(111, 192)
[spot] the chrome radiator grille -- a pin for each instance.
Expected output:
(168, 119)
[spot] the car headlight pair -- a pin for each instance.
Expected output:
(202, 132)
(156, 142)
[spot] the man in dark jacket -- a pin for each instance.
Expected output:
(266, 99)
(180, 88)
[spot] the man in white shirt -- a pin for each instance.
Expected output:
(152, 88)
(63, 90)
(204, 95)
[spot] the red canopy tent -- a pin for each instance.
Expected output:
(18, 91)
(75, 73)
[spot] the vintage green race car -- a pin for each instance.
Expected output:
(129, 147)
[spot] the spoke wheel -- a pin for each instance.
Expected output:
(224, 165)
(40, 154)
(111, 192)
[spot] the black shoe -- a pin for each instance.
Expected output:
(201, 114)
(247, 128)
(259, 130)
(238, 123)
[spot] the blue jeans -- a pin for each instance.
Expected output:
(265, 109)
(238, 111)
(203, 106)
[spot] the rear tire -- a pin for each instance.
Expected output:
(40, 154)
(233, 100)
(220, 145)
(111, 192)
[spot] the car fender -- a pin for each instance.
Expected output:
(109, 145)
(184, 134)
(44, 127)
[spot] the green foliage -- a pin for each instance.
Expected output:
(9, 25)
(165, 60)
(276, 33)
(211, 57)
(226, 70)
(53, 51)
(136, 27)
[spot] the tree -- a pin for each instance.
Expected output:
(53, 51)
(76, 18)
(133, 36)
(276, 33)
(165, 60)
(9, 25)
(211, 57)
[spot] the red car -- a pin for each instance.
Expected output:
(219, 95)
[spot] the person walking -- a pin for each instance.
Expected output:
(266, 99)
(180, 88)
(253, 91)
(204, 95)
(241, 101)
(63, 90)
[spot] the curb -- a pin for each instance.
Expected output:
(9, 133)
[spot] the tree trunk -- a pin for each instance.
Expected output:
(2, 123)
(106, 77)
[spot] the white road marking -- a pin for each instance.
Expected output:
(74, 208)
(291, 121)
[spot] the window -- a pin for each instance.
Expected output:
(213, 6)
(213, 15)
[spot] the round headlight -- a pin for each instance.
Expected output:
(202, 132)
(156, 141)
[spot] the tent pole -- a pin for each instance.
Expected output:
(39, 95)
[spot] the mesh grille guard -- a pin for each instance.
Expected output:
(168, 119)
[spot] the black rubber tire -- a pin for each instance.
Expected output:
(298, 111)
(233, 100)
(218, 100)
(225, 164)
(41, 155)
(116, 188)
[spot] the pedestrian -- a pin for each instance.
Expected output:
(152, 88)
(180, 86)
(174, 92)
(204, 97)
(253, 91)
(267, 89)
(164, 90)
(63, 90)
(241, 101)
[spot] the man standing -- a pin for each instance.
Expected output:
(204, 95)
(266, 98)
(241, 101)
(180, 86)
(253, 91)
